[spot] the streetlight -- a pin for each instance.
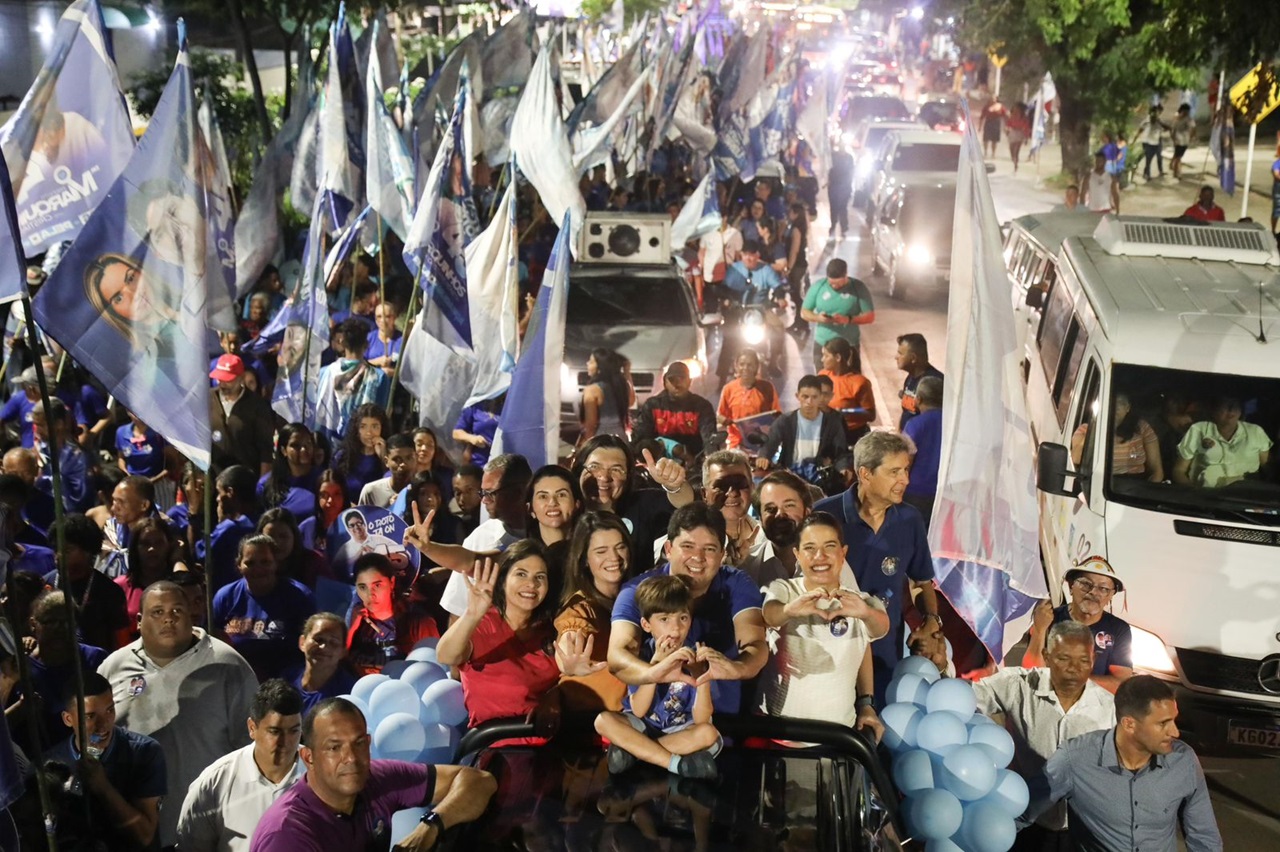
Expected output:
(917, 13)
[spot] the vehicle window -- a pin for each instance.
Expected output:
(927, 157)
(607, 300)
(1083, 432)
(1053, 331)
(1026, 262)
(1043, 281)
(1215, 479)
(1077, 340)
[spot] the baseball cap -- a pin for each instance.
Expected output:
(1096, 565)
(676, 368)
(228, 368)
(26, 377)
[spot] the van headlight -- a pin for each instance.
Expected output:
(1150, 653)
(919, 255)
(568, 376)
(695, 367)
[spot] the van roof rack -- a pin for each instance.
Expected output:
(1148, 236)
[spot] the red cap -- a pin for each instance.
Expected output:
(228, 368)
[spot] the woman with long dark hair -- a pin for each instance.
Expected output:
(433, 459)
(358, 460)
(385, 625)
(851, 390)
(1135, 449)
(331, 500)
(291, 483)
(599, 563)
(153, 556)
(295, 560)
(606, 401)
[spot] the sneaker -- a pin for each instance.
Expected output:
(700, 764)
(619, 760)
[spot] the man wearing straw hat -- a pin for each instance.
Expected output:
(1092, 584)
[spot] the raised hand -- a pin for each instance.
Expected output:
(808, 605)
(573, 654)
(851, 605)
(670, 669)
(668, 473)
(719, 667)
(480, 585)
(1042, 617)
(419, 534)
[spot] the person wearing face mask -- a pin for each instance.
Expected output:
(1092, 584)
(121, 772)
(178, 684)
(821, 634)
(225, 803)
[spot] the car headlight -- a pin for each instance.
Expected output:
(919, 255)
(1150, 653)
(568, 376)
(864, 167)
(695, 367)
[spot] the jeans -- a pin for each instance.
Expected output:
(1149, 153)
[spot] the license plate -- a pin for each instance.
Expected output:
(1253, 735)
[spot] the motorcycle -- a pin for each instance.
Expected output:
(756, 326)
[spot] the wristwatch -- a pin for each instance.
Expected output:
(863, 701)
(433, 818)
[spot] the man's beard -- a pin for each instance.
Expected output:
(782, 531)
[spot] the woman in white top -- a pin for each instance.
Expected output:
(821, 634)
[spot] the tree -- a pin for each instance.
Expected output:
(1106, 56)
(632, 10)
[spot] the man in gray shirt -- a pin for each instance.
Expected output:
(1127, 788)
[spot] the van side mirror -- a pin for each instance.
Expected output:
(1035, 297)
(1053, 468)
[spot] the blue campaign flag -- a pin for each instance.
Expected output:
(13, 265)
(700, 214)
(342, 128)
(530, 422)
(71, 136)
(131, 299)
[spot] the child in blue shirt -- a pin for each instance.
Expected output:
(667, 724)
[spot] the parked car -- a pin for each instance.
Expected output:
(865, 143)
(835, 796)
(911, 235)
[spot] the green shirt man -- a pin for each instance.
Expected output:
(837, 305)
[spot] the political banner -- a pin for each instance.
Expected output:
(368, 529)
(389, 167)
(13, 265)
(130, 300)
(71, 136)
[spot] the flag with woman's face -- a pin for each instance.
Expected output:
(133, 298)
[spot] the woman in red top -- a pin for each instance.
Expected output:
(503, 644)
(385, 626)
(841, 362)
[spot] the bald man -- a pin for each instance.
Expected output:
(38, 510)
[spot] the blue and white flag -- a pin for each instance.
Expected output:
(733, 154)
(591, 144)
(13, 264)
(541, 148)
(130, 300)
(71, 136)
(605, 96)
(304, 176)
(389, 168)
(342, 129)
(1045, 95)
(215, 173)
(530, 422)
(302, 329)
(257, 231)
(442, 226)
(984, 534)
(700, 214)
(493, 289)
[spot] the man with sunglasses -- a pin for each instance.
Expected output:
(1092, 584)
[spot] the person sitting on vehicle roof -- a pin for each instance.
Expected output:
(1221, 450)
(1093, 583)
(822, 632)
(667, 721)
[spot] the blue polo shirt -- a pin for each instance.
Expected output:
(732, 592)
(925, 430)
(377, 349)
(1112, 640)
(142, 457)
(882, 562)
(19, 408)
(264, 629)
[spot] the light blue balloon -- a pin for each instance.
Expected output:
(944, 844)
(359, 702)
(1010, 793)
(935, 814)
(403, 823)
(996, 741)
(445, 702)
(900, 723)
(389, 698)
(364, 686)
(986, 828)
(907, 689)
(917, 666)
(968, 772)
(422, 675)
(400, 736)
(440, 744)
(913, 771)
(952, 694)
(422, 655)
(980, 718)
(395, 668)
(430, 642)
(940, 732)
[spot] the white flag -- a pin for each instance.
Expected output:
(388, 169)
(493, 291)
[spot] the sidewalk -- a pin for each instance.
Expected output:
(1164, 197)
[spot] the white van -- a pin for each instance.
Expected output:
(1172, 319)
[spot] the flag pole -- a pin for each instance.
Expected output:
(404, 340)
(59, 513)
(208, 546)
(33, 727)
(382, 267)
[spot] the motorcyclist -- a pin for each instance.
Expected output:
(752, 283)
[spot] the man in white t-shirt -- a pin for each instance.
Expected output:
(1101, 188)
(820, 636)
(225, 802)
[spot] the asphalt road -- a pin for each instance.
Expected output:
(1243, 790)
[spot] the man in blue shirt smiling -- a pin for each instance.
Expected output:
(888, 550)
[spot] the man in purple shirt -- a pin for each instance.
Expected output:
(346, 800)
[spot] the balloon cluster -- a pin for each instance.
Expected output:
(414, 711)
(949, 761)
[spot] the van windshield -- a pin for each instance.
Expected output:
(628, 300)
(927, 157)
(1194, 443)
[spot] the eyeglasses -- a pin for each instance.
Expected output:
(737, 482)
(1089, 588)
(488, 493)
